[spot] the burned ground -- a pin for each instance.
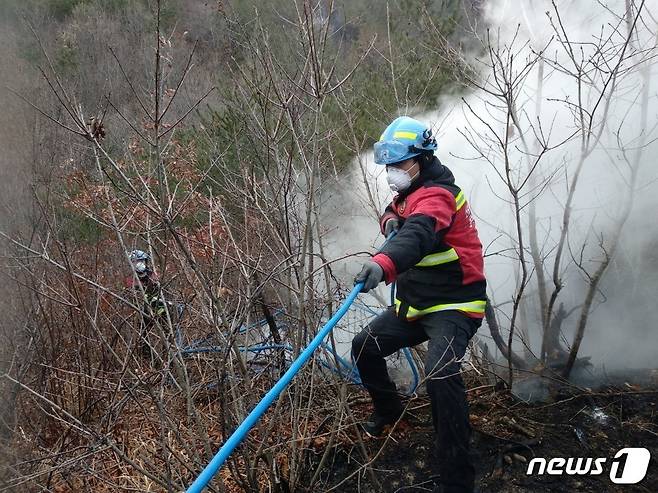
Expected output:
(508, 433)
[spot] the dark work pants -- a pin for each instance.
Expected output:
(448, 333)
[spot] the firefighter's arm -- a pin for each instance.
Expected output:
(431, 214)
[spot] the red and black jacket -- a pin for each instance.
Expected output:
(436, 256)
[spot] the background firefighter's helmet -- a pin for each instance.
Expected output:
(404, 138)
(140, 260)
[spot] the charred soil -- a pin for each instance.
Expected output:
(507, 434)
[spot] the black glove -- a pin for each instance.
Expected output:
(391, 225)
(371, 274)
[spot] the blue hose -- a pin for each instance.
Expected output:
(414, 370)
(253, 417)
(352, 373)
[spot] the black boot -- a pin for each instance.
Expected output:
(378, 422)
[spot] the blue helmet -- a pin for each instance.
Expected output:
(140, 261)
(404, 138)
(137, 255)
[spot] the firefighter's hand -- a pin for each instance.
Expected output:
(371, 275)
(390, 226)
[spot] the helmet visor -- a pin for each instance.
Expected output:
(391, 151)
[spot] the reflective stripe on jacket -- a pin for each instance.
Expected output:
(436, 257)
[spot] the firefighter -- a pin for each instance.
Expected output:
(436, 261)
(153, 307)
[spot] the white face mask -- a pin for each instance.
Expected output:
(398, 179)
(140, 268)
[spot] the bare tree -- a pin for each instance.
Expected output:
(516, 126)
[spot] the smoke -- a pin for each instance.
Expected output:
(620, 331)
(617, 335)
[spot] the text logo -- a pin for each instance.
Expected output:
(629, 466)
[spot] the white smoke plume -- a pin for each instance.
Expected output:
(620, 333)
